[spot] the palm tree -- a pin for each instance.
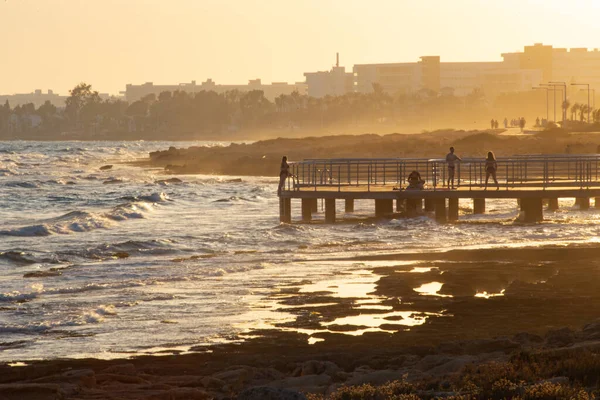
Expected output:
(574, 109)
(565, 107)
(583, 109)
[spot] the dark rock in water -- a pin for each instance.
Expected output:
(71, 183)
(237, 180)
(42, 274)
(269, 393)
(121, 254)
(105, 167)
(112, 181)
(170, 180)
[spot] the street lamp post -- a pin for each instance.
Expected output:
(554, 97)
(588, 90)
(564, 113)
(545, 88)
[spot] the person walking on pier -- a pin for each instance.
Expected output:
(491, 166)
(451, 159)
(284, 173)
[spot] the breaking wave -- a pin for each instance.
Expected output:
(83, 221)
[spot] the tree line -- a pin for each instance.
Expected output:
(211, 115)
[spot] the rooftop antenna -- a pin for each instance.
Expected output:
(337, 59)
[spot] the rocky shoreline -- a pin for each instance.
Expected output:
(262, 158)
(542, 335)
(284, 366)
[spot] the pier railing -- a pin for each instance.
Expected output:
(536, 171)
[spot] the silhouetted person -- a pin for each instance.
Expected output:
(491, 166)
(284, 173)
(505, 123)
(451, 159)
(492, 123)
(414, 181)
(537, 121)
(496, 124)
(522, 123)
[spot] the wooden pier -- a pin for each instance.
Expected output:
(531, 180)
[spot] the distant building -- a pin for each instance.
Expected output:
(576, 65)
(271, 91)
(335, 82)
(517, 72)
(37, 98)
(457, 78)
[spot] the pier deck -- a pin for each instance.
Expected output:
(529, 179)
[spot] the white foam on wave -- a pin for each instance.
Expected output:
(83, 221)
(155, 197)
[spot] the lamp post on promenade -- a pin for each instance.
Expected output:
(554, 97)
(588, 90)
(545, 88)
(564, 113)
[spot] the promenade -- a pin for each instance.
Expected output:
(531, 180)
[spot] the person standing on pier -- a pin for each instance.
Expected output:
(491, 166)
(451, 159)
(284, 173)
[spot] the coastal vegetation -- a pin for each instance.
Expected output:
(180, 115)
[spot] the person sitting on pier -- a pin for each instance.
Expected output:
(284, 173)
(451, 158)
(491, 166)
(414, 181)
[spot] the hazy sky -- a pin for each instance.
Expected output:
(54, 44)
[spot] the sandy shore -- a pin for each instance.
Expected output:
(491, 315)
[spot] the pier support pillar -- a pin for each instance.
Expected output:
(314, 205)
(429, 205)
(349, 205)
(400, 204)
(440, 210)
(384, 207)
(330, 211)
(597, 202)
(411, 208)
(478, 206)
(552, 204)
(533, 209)
(584, 203)
(306, 210)
(520, 205)
(285, 210)
(452, 209)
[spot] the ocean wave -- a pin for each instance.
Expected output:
(17, 257)
(7, 172)
(33, 230)
(20, 184)
(83, 221)
(18, 297)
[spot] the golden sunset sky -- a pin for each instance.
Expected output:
(54, 44)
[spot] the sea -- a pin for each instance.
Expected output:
(121, 261)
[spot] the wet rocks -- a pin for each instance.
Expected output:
(270, 393)
(105, 167)
(560, 337)
(112, 181)
(31, 391)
